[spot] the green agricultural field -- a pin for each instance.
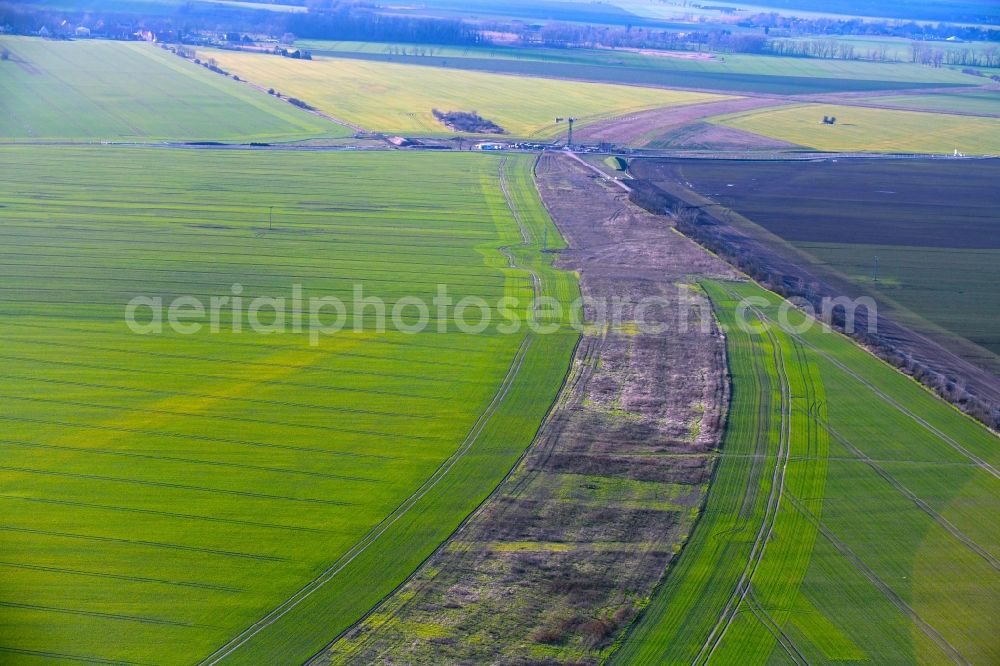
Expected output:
(979, 102)
(738, 73)
(399, 98)
(163, 492)
(119, 91)
(931, 223)
(852, 517)
(709, 63)
(954, 288)
(860, 129)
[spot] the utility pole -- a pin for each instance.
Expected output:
(545, 239)
(875, 270)
(569, 136)
(270, 217)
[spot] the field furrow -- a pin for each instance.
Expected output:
(847, 572)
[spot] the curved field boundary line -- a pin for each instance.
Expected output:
(582, 365)
(629, 637)
(842, 547)
(526, 239)
(361, 546)
(759, 456)
(987, 467)
(742, 588)
(543, 440)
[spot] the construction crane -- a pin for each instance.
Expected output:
(569, 136)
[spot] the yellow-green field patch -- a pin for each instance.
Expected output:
(398, 98)
(860, 129)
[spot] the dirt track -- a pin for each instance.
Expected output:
(640, 128)
(603, 496)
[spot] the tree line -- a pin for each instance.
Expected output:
(351, 23)
(775, 25)
(922, 53)
(190, 22)
(561, 35)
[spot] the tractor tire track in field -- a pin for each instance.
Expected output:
(131, 579)
(192, 461)
(215, 396)
(59, 656)
(173, 486)
(361, 546)
(141, 542)
(425, 488)
(570, 396)
(197, 415)
(979, 462)
(757, 608)
(842, 547)
(879, 584)
(305, 368)
(201, 375)
(759, 456)
(758, 547)
(105, 616)
(166, 514)
(921, 504)
(526, 238)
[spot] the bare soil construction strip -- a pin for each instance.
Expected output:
(566, 551)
